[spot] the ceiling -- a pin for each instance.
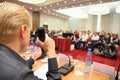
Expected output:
(47, 2)
(50, 6)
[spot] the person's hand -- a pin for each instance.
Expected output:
(36, 54)
(49, 46)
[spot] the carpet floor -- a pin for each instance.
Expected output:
(82, 53)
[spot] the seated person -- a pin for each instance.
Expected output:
(76, 39)
(14, 40)
(84, 39)
(95, 38)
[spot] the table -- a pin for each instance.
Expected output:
(63, 44)
(71, 76)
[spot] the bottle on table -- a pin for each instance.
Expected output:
(88, 61)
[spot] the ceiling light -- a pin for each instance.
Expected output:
(23, 6)
(76, 12)
(30, 8)
(51, 5)
(118, 9)
(90, 3)
(65, 2)
(36, 9)
(33, 1)
(101, 9)
(57, 3)
(100, 1)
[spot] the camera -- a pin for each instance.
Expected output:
(40, 33)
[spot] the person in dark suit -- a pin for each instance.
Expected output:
(14, 40)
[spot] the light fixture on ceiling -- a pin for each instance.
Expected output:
(33, 1)
(99, 10)
(76, 12)
(118, 9)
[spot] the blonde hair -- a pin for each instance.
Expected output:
(12, 17)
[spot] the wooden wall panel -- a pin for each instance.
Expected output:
(36, 20)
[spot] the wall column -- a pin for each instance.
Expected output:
(99, 23)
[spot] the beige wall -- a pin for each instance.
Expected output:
(54, 23)
(106, 23)
(109, 23)
(116, 23)
(83, 24)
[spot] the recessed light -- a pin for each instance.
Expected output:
(57, 3)
(40, 8)
(36, 9)
(65, 2)
(73, 0)
(45, 7)
(23, 6)
(90, 3)
(100, 1)
(30, 8)
(33, 1)
(51, 5)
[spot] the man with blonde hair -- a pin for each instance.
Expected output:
(14, 40)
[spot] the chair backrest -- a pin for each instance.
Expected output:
(104, 68)
(64, 57)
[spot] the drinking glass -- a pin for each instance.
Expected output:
(78, 67)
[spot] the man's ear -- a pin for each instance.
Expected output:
(23, 31)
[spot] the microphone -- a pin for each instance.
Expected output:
(116, 77)
(66, 68)
(69, 60)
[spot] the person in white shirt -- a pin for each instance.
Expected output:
(95, 38)
(84, 39)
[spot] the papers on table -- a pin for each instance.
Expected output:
(41, 72)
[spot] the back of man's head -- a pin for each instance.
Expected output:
(12, 17)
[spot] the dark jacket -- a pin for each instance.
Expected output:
(13, 67)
